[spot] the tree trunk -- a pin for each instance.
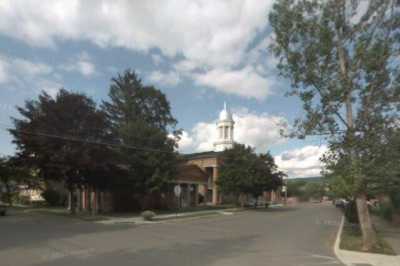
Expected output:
(368, 232)
(8, 193)
(241, 200)
(73, 201)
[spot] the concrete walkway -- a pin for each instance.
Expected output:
(353, 258)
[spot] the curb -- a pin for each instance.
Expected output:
(352, 258)
(170, 217)
(336, 247)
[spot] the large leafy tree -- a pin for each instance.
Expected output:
(12, 174)
(342, 60)
(64, 137)
(242, 172)
(141, 122)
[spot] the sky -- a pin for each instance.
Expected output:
(199, 53)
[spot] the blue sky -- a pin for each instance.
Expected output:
(199, 53)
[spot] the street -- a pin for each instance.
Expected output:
(284, 237)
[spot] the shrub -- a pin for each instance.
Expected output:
(148, 215)
(386, 211)
(52, 197)
(350, 212)
(3, 211)
(24, 200)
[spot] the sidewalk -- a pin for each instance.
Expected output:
(353, 258)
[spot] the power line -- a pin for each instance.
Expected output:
(75, 139)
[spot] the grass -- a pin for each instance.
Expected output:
(351, 239)
(86, 216)
(192, 215)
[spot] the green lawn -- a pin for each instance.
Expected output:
(351, 239)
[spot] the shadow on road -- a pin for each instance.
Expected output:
(24, 229)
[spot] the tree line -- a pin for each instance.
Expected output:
(122, 143)
(127, 143)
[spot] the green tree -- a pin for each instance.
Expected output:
(12, 174)
(63, 137)
(296, 188)
(141, 121)
(315, 190)
(343, 64)
(242, 172)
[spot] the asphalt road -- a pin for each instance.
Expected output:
(302, 236)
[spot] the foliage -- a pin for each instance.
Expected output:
(343, 64)
(395, 199)
(243, 171)
(148, 215)
(63, 138)
(350, 212)
(296, 188)
(315, 190)
(386, 211)
(306, 189)
(12, 174)
(140, 120)
(53, 197)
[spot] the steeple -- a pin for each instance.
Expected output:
(225, 127)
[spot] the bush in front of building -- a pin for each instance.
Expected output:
(148, 215)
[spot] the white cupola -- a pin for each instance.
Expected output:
(225, 127)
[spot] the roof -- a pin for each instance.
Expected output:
(225, 114)
(207, 154)
(191, 173)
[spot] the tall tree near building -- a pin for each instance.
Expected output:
(12, 174)
(141, 120)
(342, 58)
(63, 138)
(244, 172)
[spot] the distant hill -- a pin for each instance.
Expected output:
(308, 179)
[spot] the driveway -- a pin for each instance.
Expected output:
(301, 236)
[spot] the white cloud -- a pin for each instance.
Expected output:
(260, 131)
(171, 78)
(81, 64)
(19, 73)
(3, 71)
(197, 29)
(211, 35)
(157, 59)
(185, 142)
(302, 162)
(245, 82)
(31, 69)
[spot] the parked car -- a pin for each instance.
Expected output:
(340, 203)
